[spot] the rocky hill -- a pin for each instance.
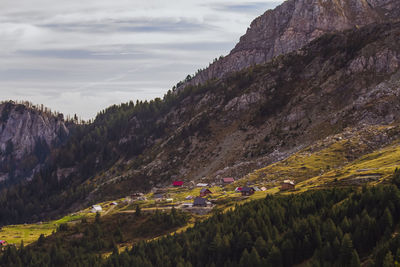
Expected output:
(294, 24)
(27, 135)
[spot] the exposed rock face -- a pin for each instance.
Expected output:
(26, 137)
(292, 25)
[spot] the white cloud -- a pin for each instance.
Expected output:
(81, 56)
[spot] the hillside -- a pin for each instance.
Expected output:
(27, 136)
(258, 116)
(226, 127)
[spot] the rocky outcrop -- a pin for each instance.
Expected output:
(292, 25)
(26, 137)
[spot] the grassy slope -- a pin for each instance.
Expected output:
(341, 162)
(29, 233)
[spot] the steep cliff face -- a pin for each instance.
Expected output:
(26, 137)
(292, 25)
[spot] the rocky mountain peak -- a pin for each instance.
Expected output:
(292, 25)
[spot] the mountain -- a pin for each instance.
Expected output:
(27, 135)
(311, 93)
(292, 25)
(263, 114)
(341, 84)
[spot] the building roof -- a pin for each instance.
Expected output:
(238, 189)
(159, 195)
(200, 201)
(247, 189)
(97, 207)
(288, 182)
(2, 241)
(204, 190)
(228, 180)
(201, 185)
(177, 183)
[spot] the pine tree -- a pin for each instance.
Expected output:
(388, 260)
(245, 259)
(346, 249)
(97, 218)
(254, 258)
(355, 260)
(261, 247)
(138, 211)
(275, 258)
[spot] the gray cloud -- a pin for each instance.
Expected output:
(84, 54)
(81, 56)
(250, 7)
(132, 25)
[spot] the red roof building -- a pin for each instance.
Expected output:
(228, 180)
(177, 183)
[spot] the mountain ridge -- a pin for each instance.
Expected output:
(292, 25)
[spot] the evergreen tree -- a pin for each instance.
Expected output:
(355, 260)
(138, 211)
(388, 260)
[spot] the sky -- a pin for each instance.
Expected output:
(79, 57)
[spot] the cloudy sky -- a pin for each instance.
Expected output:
(82, 56)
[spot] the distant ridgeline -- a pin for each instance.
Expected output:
(335, 227)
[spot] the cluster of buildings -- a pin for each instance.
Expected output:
(245, 191)
(161, 194)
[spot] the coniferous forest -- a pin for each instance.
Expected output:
(329, 227)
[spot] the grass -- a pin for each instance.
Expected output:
(306, 164)
(29, 233)
(331, 166)
(381, 163)
(333, 160)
